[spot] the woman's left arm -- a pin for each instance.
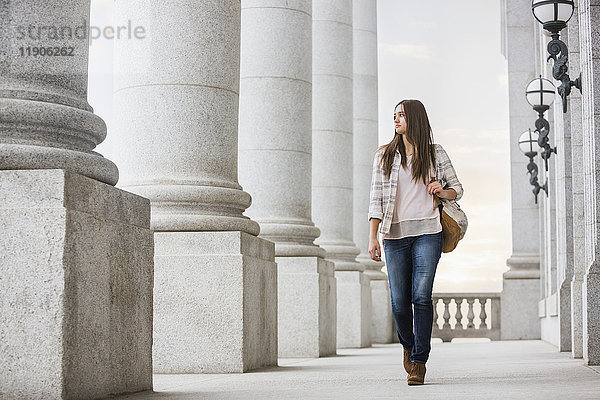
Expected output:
(452, 182)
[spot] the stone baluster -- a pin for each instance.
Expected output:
(482, 314)
(446, 313)
(435, 313)
(470, 314)
(458, 302)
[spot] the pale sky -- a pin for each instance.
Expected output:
(446, 54)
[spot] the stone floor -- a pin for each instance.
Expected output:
(520, 369)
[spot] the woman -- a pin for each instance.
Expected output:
(402, 207)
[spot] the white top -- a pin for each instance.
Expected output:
(414, 212)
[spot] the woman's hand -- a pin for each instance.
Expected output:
(374, 249)
(435, 188)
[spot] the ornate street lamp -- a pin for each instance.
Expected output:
(554, 15)
(540, 94)
(528, 143)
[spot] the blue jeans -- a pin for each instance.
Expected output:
(411, 264)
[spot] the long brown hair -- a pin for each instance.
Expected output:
(418, 133)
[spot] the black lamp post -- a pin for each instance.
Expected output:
(528, 143)
(554, 15)
(540, 94)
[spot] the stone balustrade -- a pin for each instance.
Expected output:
(485, 328)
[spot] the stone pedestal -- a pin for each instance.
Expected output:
(215, 302)
(519, 301)
(395, 338)
(353, 309)
(576, 317)
(307, 314)
(382, 319)
(76, 287)
(591, 317)
(564, 316)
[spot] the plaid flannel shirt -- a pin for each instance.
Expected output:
(383, 190)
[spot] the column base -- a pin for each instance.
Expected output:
(382, 320)
(306, 307)
(519, 309)
(215, 302)
(576, 319)
(75, 288)
(564, 316)
(591, 318)
(353, 309)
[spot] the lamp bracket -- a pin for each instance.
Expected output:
(560, 54)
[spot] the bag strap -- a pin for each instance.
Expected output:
(437, 203)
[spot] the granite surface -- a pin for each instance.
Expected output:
(76, 282)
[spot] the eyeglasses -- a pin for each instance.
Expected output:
(399, 115)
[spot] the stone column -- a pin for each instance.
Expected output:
(590, 69)
(551, 243)
(575, 116)
(176, 113)
(542, 236)
(564, 224)
(275, 167)
(76, 253)
(365, 142)
(520, 292)
(566, 123)
(332, 195)
(549, 300)
(547, 304)
(550, 328)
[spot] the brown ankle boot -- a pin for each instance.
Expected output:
(417, 374)
(407, 363)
